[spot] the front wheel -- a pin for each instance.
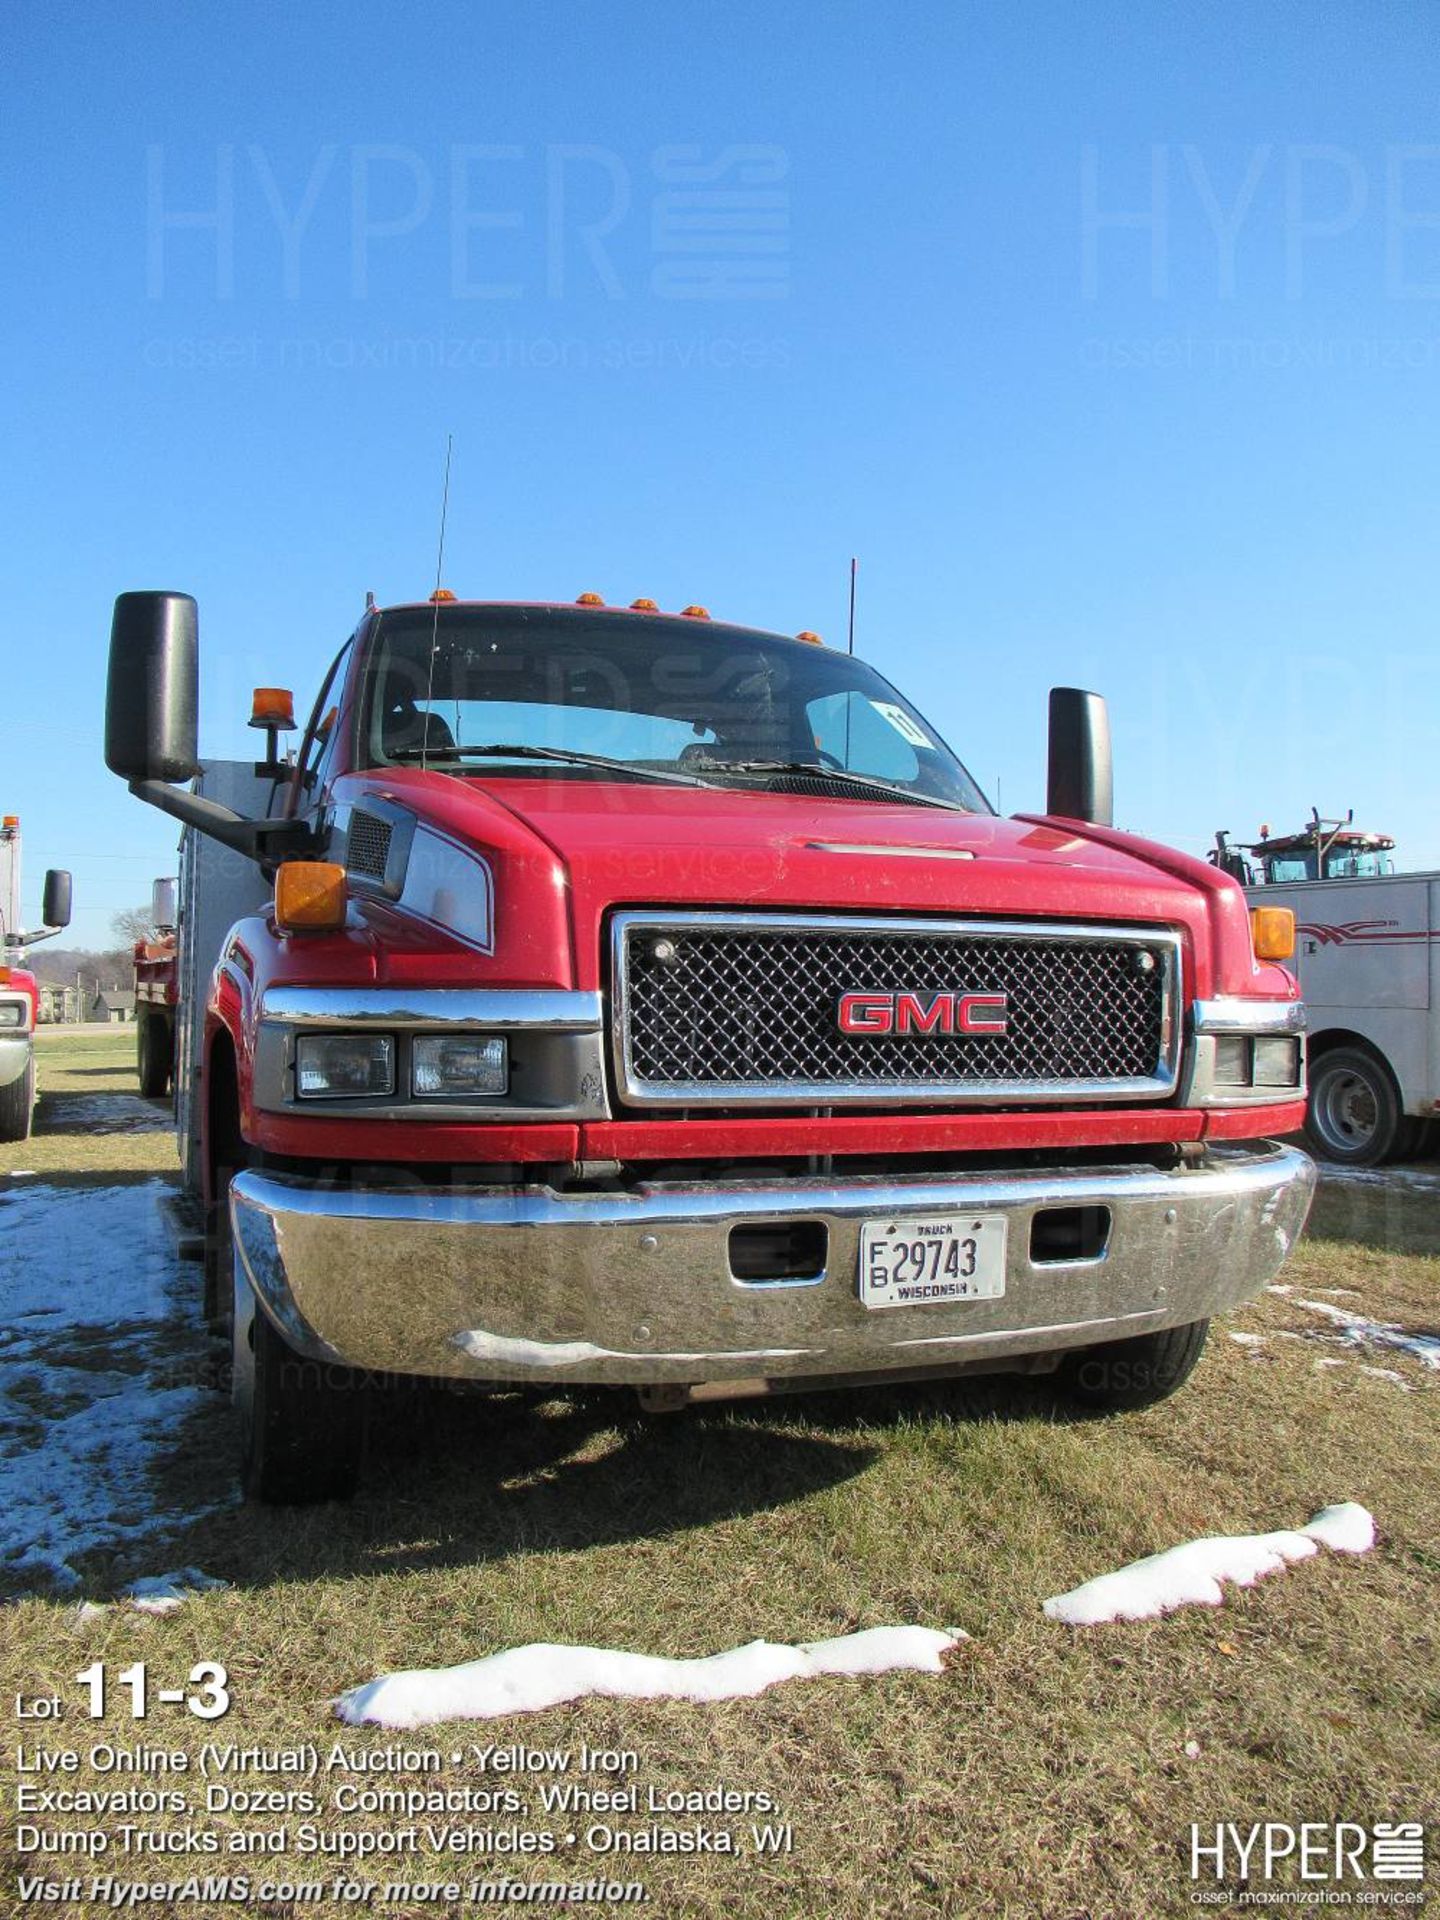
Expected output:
(302, 1422)
(1124, 1375)
(1353, 1115)
(17, 1103)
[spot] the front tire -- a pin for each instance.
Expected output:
(17, 1104)
(302, 1422)
(1124, 1375)
(1353, 1114)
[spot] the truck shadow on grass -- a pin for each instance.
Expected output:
(458, 1479)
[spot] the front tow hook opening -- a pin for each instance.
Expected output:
(779, 1253)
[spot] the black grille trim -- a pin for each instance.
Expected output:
(742, 1011)
(367, 844)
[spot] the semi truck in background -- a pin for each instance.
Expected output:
(607, 997)
(19, 995)
(1368, 960)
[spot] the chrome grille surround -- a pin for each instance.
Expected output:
(728, 1021)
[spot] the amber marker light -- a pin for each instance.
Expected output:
(590, 600)
(695, 613)
(813, 638)
(643, 606)
(11, 821)
(272, 707)
(310, 896)
(441, 597)
(1272, 929)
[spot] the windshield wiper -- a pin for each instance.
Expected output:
(862, 782)
(438, 756)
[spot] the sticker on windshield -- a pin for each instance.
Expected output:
(902, 723)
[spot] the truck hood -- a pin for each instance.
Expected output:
(627, 844)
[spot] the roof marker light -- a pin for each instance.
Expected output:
(813, 638)
(695, 613)
(590, 600)
(643, 606)
(441, 597)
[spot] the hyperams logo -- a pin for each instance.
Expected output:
(879, 1013)
(1344, 1857)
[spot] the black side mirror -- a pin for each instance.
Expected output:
(1081, 785)
(55, 901)
(152, 694)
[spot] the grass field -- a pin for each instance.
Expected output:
(1050, 1771)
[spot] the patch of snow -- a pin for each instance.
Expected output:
(1247, 1339)
(1195, 1574)
(1389, 1373)
(165, 1592)
(1356, 1330)
(103, 1352)
(1346, 1527)
(1273, 1288)
(527, 1679)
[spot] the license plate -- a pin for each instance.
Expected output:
(927, 1259)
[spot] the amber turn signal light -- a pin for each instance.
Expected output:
(273, 707)
(1272, 929)
(310, 895)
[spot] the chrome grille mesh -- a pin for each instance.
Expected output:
(708, 1009)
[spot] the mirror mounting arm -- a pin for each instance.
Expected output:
(263, 841)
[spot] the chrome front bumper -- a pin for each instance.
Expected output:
(634, 1287)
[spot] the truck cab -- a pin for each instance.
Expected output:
(645, 1001)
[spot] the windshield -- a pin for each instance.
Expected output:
(694, 699)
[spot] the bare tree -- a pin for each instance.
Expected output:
(132, 924)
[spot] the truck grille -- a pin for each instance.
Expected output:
(744, 1010)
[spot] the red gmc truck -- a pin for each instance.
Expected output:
(630, 999)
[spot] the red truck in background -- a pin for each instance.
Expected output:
(630, 999)
(19, 994)
(157, 994)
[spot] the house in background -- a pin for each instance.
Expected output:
(114, 1004)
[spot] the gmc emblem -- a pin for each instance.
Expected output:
(864, 1013)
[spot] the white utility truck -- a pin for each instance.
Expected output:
(1367, 953)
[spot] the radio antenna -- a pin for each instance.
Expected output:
(435, 603)
(854, 564)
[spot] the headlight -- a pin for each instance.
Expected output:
(1232, 1060)
(351, 1066)
(1277, 1062)
(456, 1064)
(12, 1013)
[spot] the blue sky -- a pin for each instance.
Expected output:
(1107, 337)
